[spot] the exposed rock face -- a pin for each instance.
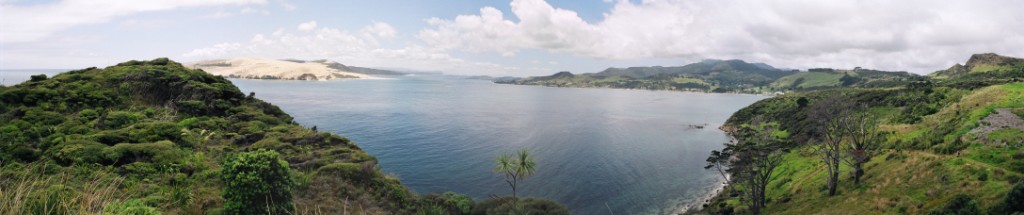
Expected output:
(1003, 118)
(990, 59)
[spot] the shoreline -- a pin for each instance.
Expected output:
(654, 90)
(705, 198)
(715, 190)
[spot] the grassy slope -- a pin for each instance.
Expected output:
(810, 79)
(904, 179)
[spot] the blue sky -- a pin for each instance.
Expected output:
(518, 37)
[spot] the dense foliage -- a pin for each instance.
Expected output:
(257, 182)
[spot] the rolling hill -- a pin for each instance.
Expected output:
(722, 76)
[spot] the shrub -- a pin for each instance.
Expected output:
(960, 204)
(89, 114)
(159, 153)
(78, 152)
(257, 183)
(156, 131)
(120, 119)
(37, 78)
(454, 203)
(1013, 203)
(462, 202)
(189, 123)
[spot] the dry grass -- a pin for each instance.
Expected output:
(31, 192)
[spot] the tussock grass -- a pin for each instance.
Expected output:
(32, 192)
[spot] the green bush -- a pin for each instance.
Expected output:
(1013, 203)
(156, 131)
(120, 119)
(462, 202)
(78, 152)
(453, 203)
(257, 182)
(37, 78)
(189, 122)
(89, 114)
(159, 153)
(960, 205)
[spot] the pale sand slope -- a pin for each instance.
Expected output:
(257, 68)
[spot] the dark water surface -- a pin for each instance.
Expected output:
(598, 150)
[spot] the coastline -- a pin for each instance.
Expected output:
(714, 190)
(705, 198)
(682, 91)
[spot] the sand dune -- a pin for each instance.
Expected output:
(258, 68)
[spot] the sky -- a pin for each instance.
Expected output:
(512, 38)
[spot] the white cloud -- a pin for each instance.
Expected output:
(220, 14)
(307, 26)
(36, 22)
(360, 48)
(916, 35)
(287, 6)
(381, 30)
(250, 10)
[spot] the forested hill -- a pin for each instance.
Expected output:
(722, 76)
(145, 137)
(953, 145)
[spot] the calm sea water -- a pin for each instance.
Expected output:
(599, 151)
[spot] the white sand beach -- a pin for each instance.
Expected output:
(259, 68)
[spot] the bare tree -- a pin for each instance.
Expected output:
(756, 157)
(864, 141)
(830, 117)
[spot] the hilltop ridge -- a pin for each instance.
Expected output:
(722, 76)
(981, 63)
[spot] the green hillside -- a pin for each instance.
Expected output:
(730, 76)
(939, 143)
(815, 79)
(151, 137)
(982, 64)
